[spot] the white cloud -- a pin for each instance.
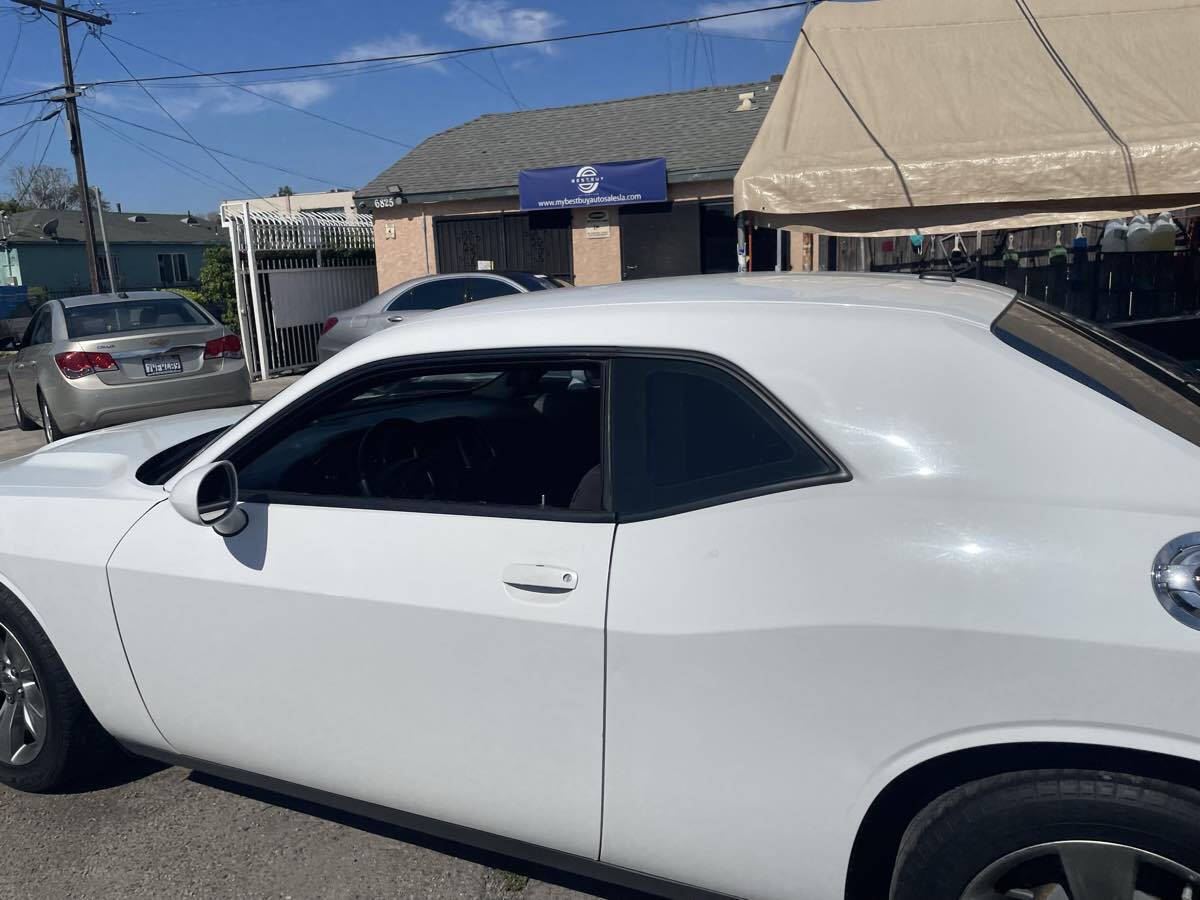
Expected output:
(298, 93)
(498, 22)
(403, 44)
(776, 23)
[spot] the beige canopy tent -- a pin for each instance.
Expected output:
(899, 115)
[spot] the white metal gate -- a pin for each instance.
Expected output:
(291, 273)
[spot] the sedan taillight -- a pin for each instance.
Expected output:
(329, 323)
(77, 363)
(227, 347)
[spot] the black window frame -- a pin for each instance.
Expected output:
(432, 363)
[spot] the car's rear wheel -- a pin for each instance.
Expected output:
(49, 426)
(23, 421)
(1054, 835)
(48, 736)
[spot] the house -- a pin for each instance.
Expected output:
(44, 249)
(454, 202)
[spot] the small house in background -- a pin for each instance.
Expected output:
(43, 249)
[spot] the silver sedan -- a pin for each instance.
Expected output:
(99, 360)
(418, 297)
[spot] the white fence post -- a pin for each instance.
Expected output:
(239, 288)
(260, 319)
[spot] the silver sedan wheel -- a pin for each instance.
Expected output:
(22, 704)
(1084, 870)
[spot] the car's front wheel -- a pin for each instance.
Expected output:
(23, 421)
(47, 734)
(1054, 835)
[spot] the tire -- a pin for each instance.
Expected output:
(970, 831)
(23, 421)
(49, 427)
(72, 742)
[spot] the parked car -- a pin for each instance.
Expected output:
(772, 586)
(410, 300)
(98, 360)
(15, 314)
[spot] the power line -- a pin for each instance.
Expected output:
(247, 159)
(178, 124)
(428, 54)
(184, 169)
(33, 172)
(12, 53)
(267, 97)
(504, 81)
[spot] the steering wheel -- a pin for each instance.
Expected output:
(390, 462)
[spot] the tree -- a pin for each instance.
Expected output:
(44, 187)
(216, 284)
(285, 191)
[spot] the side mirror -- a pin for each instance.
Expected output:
(208, 496)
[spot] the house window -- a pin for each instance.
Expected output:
(172, 268)
(106, 280)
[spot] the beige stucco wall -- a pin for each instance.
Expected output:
(404, 235)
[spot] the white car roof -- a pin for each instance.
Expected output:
(974, 301)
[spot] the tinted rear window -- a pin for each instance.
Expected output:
(132, 315)
(1121, 369)
(536, 282)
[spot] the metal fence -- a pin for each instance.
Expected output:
(291, 273)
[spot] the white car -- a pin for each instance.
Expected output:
(772, 586)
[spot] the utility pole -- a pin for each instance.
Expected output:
(64, 13)
(108, 264)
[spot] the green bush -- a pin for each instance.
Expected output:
(216, 284)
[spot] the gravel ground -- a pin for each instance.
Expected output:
(154, 832)
(165, 832)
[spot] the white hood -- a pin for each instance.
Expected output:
(106, 461)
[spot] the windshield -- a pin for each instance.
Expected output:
(132, 315)
(1125, 371)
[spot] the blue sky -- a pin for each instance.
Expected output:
(404, 104)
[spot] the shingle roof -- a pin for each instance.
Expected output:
(158, 228)
(697, 131)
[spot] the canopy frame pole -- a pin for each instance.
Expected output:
(740, 224)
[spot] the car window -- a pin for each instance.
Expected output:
(485, 288)
(39, 329)
(687, 433)
(1127, 372)
(510, 435)
(536, 282)
(439, 294)
(133, 315)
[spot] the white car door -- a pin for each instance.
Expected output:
(414, 615)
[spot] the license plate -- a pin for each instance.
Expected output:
(162, 365)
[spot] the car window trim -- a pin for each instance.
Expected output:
(838, 473)
(431, 363)
(604, 355)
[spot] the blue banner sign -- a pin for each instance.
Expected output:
(595, 184)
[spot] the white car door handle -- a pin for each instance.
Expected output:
(543, 579)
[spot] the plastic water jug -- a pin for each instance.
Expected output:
(1113, 240)
(1138, 236)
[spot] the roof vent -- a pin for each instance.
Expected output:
(50, 229)
(189, 219)
(747, 102)
(137, 217)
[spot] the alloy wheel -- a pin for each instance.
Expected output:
(1084, 870)
(22, 704)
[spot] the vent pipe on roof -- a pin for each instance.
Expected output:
(747, 102)
(118, 207)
